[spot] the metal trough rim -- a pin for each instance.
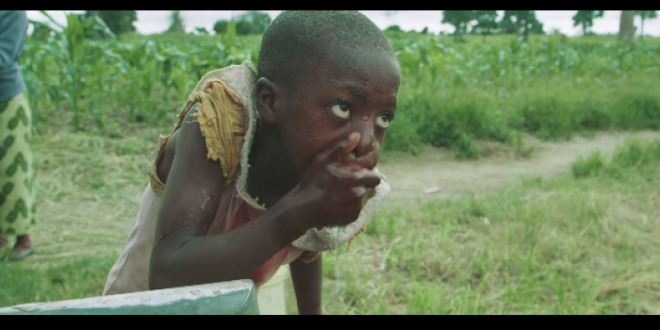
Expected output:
(147, 299)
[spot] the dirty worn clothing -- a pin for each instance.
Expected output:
(227, 119)
(17, 205)
(224, 122)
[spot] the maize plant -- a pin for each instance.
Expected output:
(451, 92)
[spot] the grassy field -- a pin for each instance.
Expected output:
(567, 239)
(580, 244)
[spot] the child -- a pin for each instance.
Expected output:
(270, 168)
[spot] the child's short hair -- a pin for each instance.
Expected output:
(294, 38)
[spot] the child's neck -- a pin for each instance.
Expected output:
(270, 175)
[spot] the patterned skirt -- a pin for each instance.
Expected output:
(17, 205)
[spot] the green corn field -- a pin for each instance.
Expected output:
(451, 94)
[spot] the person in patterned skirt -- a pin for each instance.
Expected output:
(16, 166)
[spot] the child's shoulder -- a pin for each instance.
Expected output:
(225, 94)
(240, 78)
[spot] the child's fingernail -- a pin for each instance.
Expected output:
(353, 136)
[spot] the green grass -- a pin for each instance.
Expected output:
(566, 246)
(634, 154)
(80, 277)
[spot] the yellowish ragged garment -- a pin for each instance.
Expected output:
(227, 118)
(222, 124)
(222, 119)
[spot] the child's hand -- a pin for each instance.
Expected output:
(330, 193)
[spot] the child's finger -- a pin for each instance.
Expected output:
(343, 147)
(342, 172)
(363, 177)
(360, 191)
(367, 180)
(371, 192)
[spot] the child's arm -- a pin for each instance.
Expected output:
(307, 280)
(183, 255)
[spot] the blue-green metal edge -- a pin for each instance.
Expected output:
(227, 298)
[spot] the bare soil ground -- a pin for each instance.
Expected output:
(409, 176)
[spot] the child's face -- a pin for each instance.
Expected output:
(346, 91)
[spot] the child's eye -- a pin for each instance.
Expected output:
(341, 110)
(383, 121)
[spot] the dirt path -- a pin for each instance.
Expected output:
(408, 176)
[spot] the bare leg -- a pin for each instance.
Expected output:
(23, 245)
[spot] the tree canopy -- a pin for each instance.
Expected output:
(460, 19)
(585, 18)
(486, 22)
(118, 21)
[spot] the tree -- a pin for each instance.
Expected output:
(627, 26)
(244, 27)
(644, 15)
(586, 19)
(394, 28)
(460, 19)
(537, 28)
(220, 26)
(424, 31)
(259, 21)
(251, 22)
(486, 22)
(507, 26)
(118, 21)
(202, 31)
(525, 22)
(177, 23)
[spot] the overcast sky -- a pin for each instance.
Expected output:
(158, 21)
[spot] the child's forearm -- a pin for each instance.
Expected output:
(224, 257)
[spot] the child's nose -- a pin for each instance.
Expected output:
(367, 142)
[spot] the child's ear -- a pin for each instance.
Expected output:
(268, 100)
